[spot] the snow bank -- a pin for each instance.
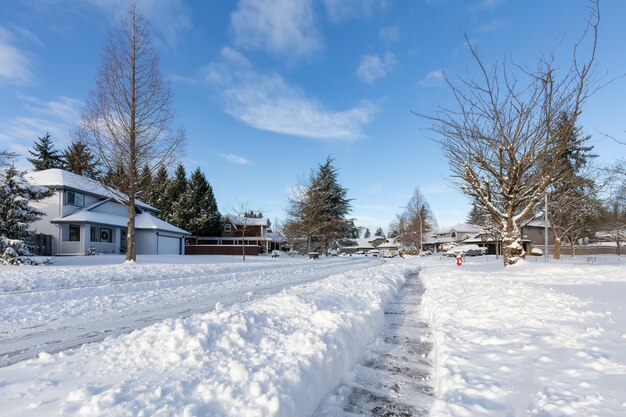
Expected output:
(276, 356)
(526, 340)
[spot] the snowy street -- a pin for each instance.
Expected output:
(56, 308)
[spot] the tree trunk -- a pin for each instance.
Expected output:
(557, 248)
(243, 243)
(573, 250)
(512, 242)
(131, 253)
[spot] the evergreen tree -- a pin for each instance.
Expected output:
(379, 232)
(79, 160)
(144, 185)
(319, 212)
(197, 209)
(478, 216)
(16, 214)
(155, 195)
(172, 210)
(367, 233)
(44, 154)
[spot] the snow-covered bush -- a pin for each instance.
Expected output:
(91, 250)
(16, 215)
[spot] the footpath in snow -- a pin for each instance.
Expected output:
(393, 379)
(530, 340)
(277, 355)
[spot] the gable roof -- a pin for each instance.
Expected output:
(142, 221)
(59, 178)
(248, 221)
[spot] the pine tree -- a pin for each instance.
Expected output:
(144, 185)
(478, 216)
(16, 214)
(197, 208)
(379, 232)
(156, 195)
(319, 212)
(80, 160)
(367, 233)
(44, 154)
(172, 210)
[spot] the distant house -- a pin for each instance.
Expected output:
(258, 238)
(82, 213)
(438, 240)
(363, 244)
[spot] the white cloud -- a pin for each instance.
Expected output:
(268, 102)
(389, 34)
(56, 117)
(15, 65)
(236, 159)
(492, 26)
(280, 27)
(372, 67)
(433, 79)
(168, 19)
(339, 10)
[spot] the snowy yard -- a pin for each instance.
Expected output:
(536, 339)
(211, 336)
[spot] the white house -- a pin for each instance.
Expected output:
(82, 213)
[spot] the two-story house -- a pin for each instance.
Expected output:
(82, 213)
(251, 233)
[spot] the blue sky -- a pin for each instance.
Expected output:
(266, 90)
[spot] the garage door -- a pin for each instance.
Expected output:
(169, 245)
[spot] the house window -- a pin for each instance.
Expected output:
(74, 233)
(227, 228)
(453, 234)
(92, 234)
(74, 199)
(106, 235)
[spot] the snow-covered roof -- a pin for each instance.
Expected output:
(461, 228)
(363, 243)
(59, 178)
(248, 221)
(142, 221)
(387, 245)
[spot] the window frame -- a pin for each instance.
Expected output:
(73, 201)
(228, 228)
(70, 235)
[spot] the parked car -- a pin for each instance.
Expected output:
(466, 250)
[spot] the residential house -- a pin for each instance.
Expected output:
(237, 231)
(363, 244)
(82, 213)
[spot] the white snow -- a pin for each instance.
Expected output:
(273, 337)
(273, 356)
(533, 339)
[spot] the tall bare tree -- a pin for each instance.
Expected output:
(504, 137)
(128, 116)
(414, 222)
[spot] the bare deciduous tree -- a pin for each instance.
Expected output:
(505, 137)
(414, 222)
(128, 117)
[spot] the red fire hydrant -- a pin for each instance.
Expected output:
(459, 260)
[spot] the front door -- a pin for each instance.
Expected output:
(123, 240)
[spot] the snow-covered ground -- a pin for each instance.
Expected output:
(58, 307)
(280, 337)
(534, 339)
